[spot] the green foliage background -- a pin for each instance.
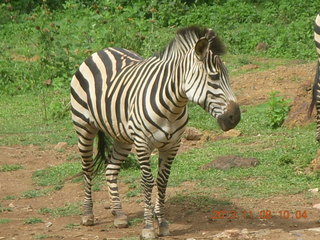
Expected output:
(48, 39)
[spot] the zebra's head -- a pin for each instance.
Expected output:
(207, 82)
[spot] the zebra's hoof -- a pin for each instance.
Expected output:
(164, 229)
(120, 221)
(88, 220)
(148, 233)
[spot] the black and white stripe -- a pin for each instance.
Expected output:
(143, 103)
(316, 85)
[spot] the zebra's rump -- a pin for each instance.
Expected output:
(95, 88)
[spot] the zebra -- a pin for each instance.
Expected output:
(142, 103)
(316, 84)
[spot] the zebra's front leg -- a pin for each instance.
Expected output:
(147, 183)
(117, 155)
(164, 166)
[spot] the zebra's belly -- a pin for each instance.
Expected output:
(160, 137)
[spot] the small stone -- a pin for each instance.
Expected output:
(314, 229)
(231, 133)
(192, 134)
(244, 231)
(230, 161)
(48, 224)
(314, 190)
(249, 67)
(60, 146)
(11, 205)
(316, 206)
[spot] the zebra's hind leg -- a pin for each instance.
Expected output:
(117, 155)
(86, 135)
(164, 166)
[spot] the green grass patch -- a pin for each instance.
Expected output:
(43, 236)
(10, 167)
(4, 220)
(33, 220)
(135, 221)
(23, 122)
(71, 226)
(35, 193)
(9, 198)
(5, 209)
(70, 209)
(55, 175)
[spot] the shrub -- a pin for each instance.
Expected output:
(278, 109)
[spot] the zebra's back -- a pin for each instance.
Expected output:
(95, 87)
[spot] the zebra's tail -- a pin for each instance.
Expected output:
(315, 89)
(101, 159)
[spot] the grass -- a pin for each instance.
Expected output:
(55, 175)
(4, 220)
(71, 226)
(35, 193)
(10, 167)
(283, 153)
(135, 221)
(5, 209)
(9, 197)
(70, 209)
(33, 220)
(23, 122)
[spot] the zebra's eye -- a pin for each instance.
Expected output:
(214, 76)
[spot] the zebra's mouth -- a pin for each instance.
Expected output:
(230, 118)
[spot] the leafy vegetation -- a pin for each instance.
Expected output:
(33, 220)
(34, 193)
(278, 109)
(43, 42)
(4, 220)
(70, 209)
(10, 167)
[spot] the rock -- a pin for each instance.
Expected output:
(262, 46)
(228, 134)
(48, 224)
(231, 133)
(11, 205)
(231, 233)
(192, 134)
(249, 67)
(317, 229)
(60, 146)
(316, 206)
(231, 161)
(314, 190)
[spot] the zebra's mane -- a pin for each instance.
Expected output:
(191, 35)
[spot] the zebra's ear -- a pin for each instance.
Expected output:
(201, 48)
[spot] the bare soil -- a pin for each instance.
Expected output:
(188, 220)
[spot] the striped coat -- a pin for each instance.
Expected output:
(143, 103)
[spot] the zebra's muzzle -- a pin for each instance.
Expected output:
(230, 118)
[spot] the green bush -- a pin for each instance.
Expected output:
(48, 39)
(278, 109)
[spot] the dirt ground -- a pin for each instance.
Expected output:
(188, 221)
